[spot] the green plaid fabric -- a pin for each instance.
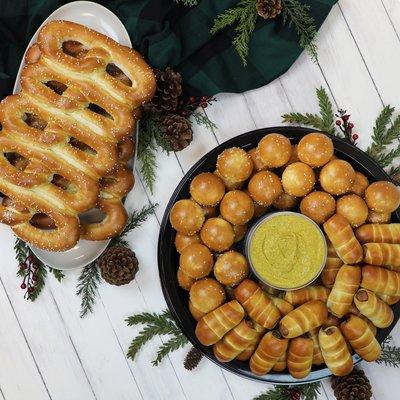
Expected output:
(170, 34)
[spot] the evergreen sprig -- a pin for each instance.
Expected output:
(87, 287)
(298, 15)
(324, 121)
(307, 392)
(57, 274)
(156, 324)
(390, 355)
(244, 15)
(41, 274)
(201, 118)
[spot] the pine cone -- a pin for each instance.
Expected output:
(169, 88)
(118, 265)
(192, 359)
(269, 8)
(354, 386)
(177, 131)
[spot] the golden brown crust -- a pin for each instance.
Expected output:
(300, 357)
(381, 280)
(382, 254)
(378, 233)
(301, 296)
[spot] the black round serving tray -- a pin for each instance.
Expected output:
(168, 258)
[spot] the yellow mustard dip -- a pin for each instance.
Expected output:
(287, 251)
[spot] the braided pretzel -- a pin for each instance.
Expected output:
(79, 99)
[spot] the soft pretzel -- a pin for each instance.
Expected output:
(69, 128)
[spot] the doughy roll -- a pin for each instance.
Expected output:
(339, 232)
(332, 320)
(271, 347)
(281, 364)
(371, 326)
(214, 325)
(282, 305)
(251, 347)
(374, 308)
(361, 338)
(346, 284)
(335, 351)
(390, 300)
(378, 233)
(354, 310)
(300, 357)
(301, 296)
(317, 354)
(382, 254)
(381, 280)
(332, 266)
(257, 304)
(304, 318)
(235, 341)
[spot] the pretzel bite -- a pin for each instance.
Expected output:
(302, 319)
(285, 202)
(374, 308)
(378, 218)
(235, 342)
(231, 268)
(217, 234)
(381, 280)
(196, 261)
(382, 254)
(258, 164)
(184, 280)
(300, 357)
(240, 232)
(301, 296)
(361, 338)
(234, 164)
(214, 325)
(315, 149)
(383, 197)
(318, 206)
(360, 184)
(186, 217)
(206, 295)
(298, 179)
(271, 347)
(237, 207)
(337, 177)
(274, 150)
(353, 208)
(342, 237)
(182, 241)
(378, 233)
(265, 187)
(335, 351)
(207, 189)
(346, 284)
(257, 304)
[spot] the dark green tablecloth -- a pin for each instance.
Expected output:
(168, 34)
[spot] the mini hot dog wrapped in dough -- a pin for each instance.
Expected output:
(317, 354)
(335, 351)
(257, 304)
(361, 338)
(381, 280)
(300, 357)
(271, 347)
(382, 254)
(282, 305)
(339, 232)
(235, 341)
(374, 308)
(301, 296)
(214, 325)
(346, 284)
(281, 364)
(390, 300)
(251, 347)
(378, 233)
(304, 318)
(332, 266)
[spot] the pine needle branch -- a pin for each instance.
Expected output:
(298, 15)
(21, 250)
(304, 119)
(146, 156)
(390, 354)
(88, 283)
(326, 111)
(201, 118)
(307, 392)
(245, 15)
(174, 343)
(41, 274)
(57, 274)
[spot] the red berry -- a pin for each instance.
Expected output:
(22, 266)
(204, 104)
(192, 99)
(34, 278)
(351, 125)
(30, 259)
(23, 285)
(338, 122)
(346, 117)
(30, 289)
(204, 99)
(355, 136)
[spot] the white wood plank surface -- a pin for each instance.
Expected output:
(48, 352)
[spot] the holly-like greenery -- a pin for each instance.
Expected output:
(90, 278)
(307, 392)
(156, 324)
(385, 148)
(390, 354)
